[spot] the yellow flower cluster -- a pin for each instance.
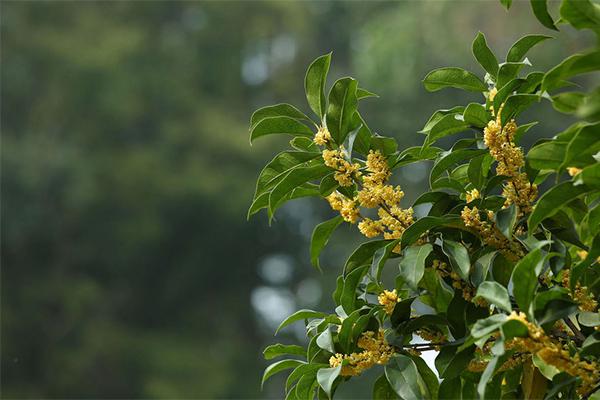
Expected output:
(347, 208)
(432, 336)
(388, 300)
(473, 195)
(376, 351)
(375, 193)
(322, 137)
(490, 233)
(345, 172)
(556, 354)
(510, 158)
(581, 294)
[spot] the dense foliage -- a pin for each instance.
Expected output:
(497, 263)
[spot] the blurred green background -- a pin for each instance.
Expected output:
(128, 267)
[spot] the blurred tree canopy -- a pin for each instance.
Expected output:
(128, 263)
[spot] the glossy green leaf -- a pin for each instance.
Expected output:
(351, 281)
(450, 362)
(422, 225)
(382, 390)
(292, 180)
(547, 155)
(589, 318)
(495, 294)
(326, 377)
(325, 341)
(364, 93)
(278, 110)
(403, 376)
(553, 200)
(568, 102)
(276, 350)
(453, 77)
(540, 10)
(506, 219)
(520, 48)
(448, 125)
(279, 126)
(320, 237)
(300, 315)
(341, 108)
(439, 114)
(509, 71)
(484, 55)
(450, 158)
(275, 170)
(314, 84)
(412, 265)
(458, 256)
(279, 366)
(516, 104)
(525, 279)
(581, 14)
(363, 255)
(476, 115)
(569, 67)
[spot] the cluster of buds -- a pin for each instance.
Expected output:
(554, 353)
(510, 158)
(375, 351)
(490, 234)
(388, 300)
(581, 294)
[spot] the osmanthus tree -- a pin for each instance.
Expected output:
(497, 263)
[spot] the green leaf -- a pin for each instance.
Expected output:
(429, 378)
(412, 265)
(382, 390)
(568, 102)
(278, 110)
(351, 281)
(496, 294)
(304, 369)
(509, 71)
(342, 106)
(548, 370)
(476, 115)
(449, 158)
(458, 256)
(583, 145)
(450, 363)
(451, 389)
(505, 220)
(275, 170)
(587, 318)
(363, 255)
(506, 3)
(278, 367)
(403, 376)
(589, 177)
(422, 225)
(453, 77)
(292, 180)
(447, 125)
(518, 50)
(300, 315)
(314, 84)
(515, 104)
(487, 326)
(484, 387)
(325, 341)
(386, 145)
(525, 279)
(436, 116)
(320, 237)
(276, 350)
(553, 200)
(484, 55)
(279, 126)
(547, 155)
(581, 14)
(540, 10)
(364, 93)
(571, 66)
(326, 377)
